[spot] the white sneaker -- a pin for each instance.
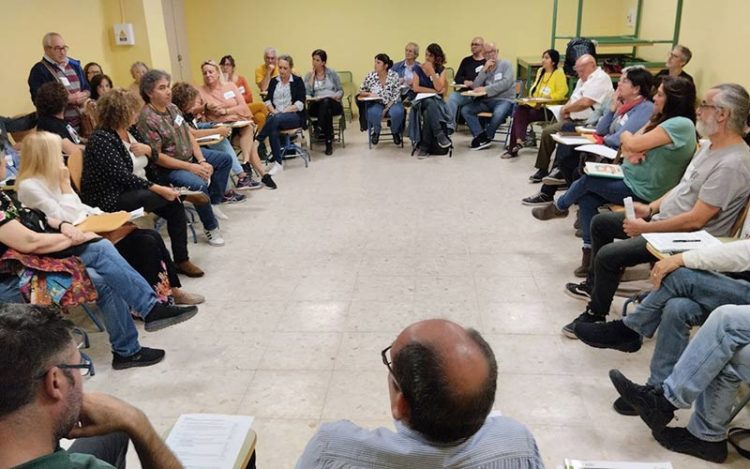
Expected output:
(275, 168)
(218, 213)
(214, 237)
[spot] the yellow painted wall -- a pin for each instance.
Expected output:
(716, 33)
(25, 23)
(713, 30)
(352, 34)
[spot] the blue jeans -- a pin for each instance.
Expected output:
(710, 370)
(590, 193)
(274, 125)
(500, 109)
(222, 163)
(396, 113)
(225, 146)
(455, 102)
(120, 289)
(685, 299)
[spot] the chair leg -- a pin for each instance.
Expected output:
(94, 319)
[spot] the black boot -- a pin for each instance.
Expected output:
(329, 147)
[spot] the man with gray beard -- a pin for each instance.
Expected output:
(42, 401)
(710, 196)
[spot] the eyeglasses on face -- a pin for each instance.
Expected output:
(476, 44)
(703, 105)
(388, 362)
(85, 368)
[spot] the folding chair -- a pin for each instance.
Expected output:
(293, 150)
(347, 83)
(338, 130)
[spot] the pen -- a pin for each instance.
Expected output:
(686, 241)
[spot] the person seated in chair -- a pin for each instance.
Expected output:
(676, 61)
(323, 88)
(656, 156)
(222, 102)
(710, 196)
(382, 83)
(495, 81)
(467, 72)
(53, 241)
(187, 99)
(42, 374)
(708, 373)
(593, 88)
(50, 102)
(115, 172)
(266, 71)
(688, 287)
(406, 69)
(429, 78)
(43, 184)
(550, 83)
(442, 381)
(230, 75)
(286, 104)
(181, 161)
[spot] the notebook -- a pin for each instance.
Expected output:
(604, 170)
(212, 441)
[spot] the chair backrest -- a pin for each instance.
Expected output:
(75, 167)
(519, 88)
(450, 74)
(346, 76)
(739, 223)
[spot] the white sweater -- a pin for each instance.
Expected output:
(35, 193)
(730, 257)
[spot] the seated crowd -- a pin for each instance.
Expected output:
(140, 148)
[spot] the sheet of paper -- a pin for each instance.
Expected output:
(209, 138)
(555, 111)
(601, 150)
(572, 140)
(370, 98)
(137, 213)
(585, 130)
(681, 242)
(203, 441)
(422, 96)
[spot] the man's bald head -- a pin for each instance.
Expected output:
(448, 377)
(585, 66)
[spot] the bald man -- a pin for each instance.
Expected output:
(441, 382)
(594, 86)
(466, 74)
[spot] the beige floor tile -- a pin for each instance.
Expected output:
(286, 394)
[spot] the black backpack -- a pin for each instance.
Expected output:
(577, 47)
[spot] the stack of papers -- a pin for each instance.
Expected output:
(577, 464)
(203, 441)
(673, 243)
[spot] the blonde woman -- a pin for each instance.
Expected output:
(223, 102)
(44, 184)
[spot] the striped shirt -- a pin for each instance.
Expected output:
(501, 443)
(66, 74)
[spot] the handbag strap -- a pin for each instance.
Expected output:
(736, 436)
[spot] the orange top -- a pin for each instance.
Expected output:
(226, 97)
(244, 88)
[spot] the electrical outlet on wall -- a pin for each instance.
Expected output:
(631, 18)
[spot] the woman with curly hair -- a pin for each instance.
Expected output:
(114, 174)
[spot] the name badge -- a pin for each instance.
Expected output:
(546, 91)
(498, 76)
(229, 94)
(624, 119)
(65, 82)
(242, 89)
(178, 120)
(478, 69)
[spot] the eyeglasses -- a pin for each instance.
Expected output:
(388, 363)
(476, 44)
(86, 367)
(59, 48)
(704, 105)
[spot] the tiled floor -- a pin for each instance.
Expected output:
(320, 275)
